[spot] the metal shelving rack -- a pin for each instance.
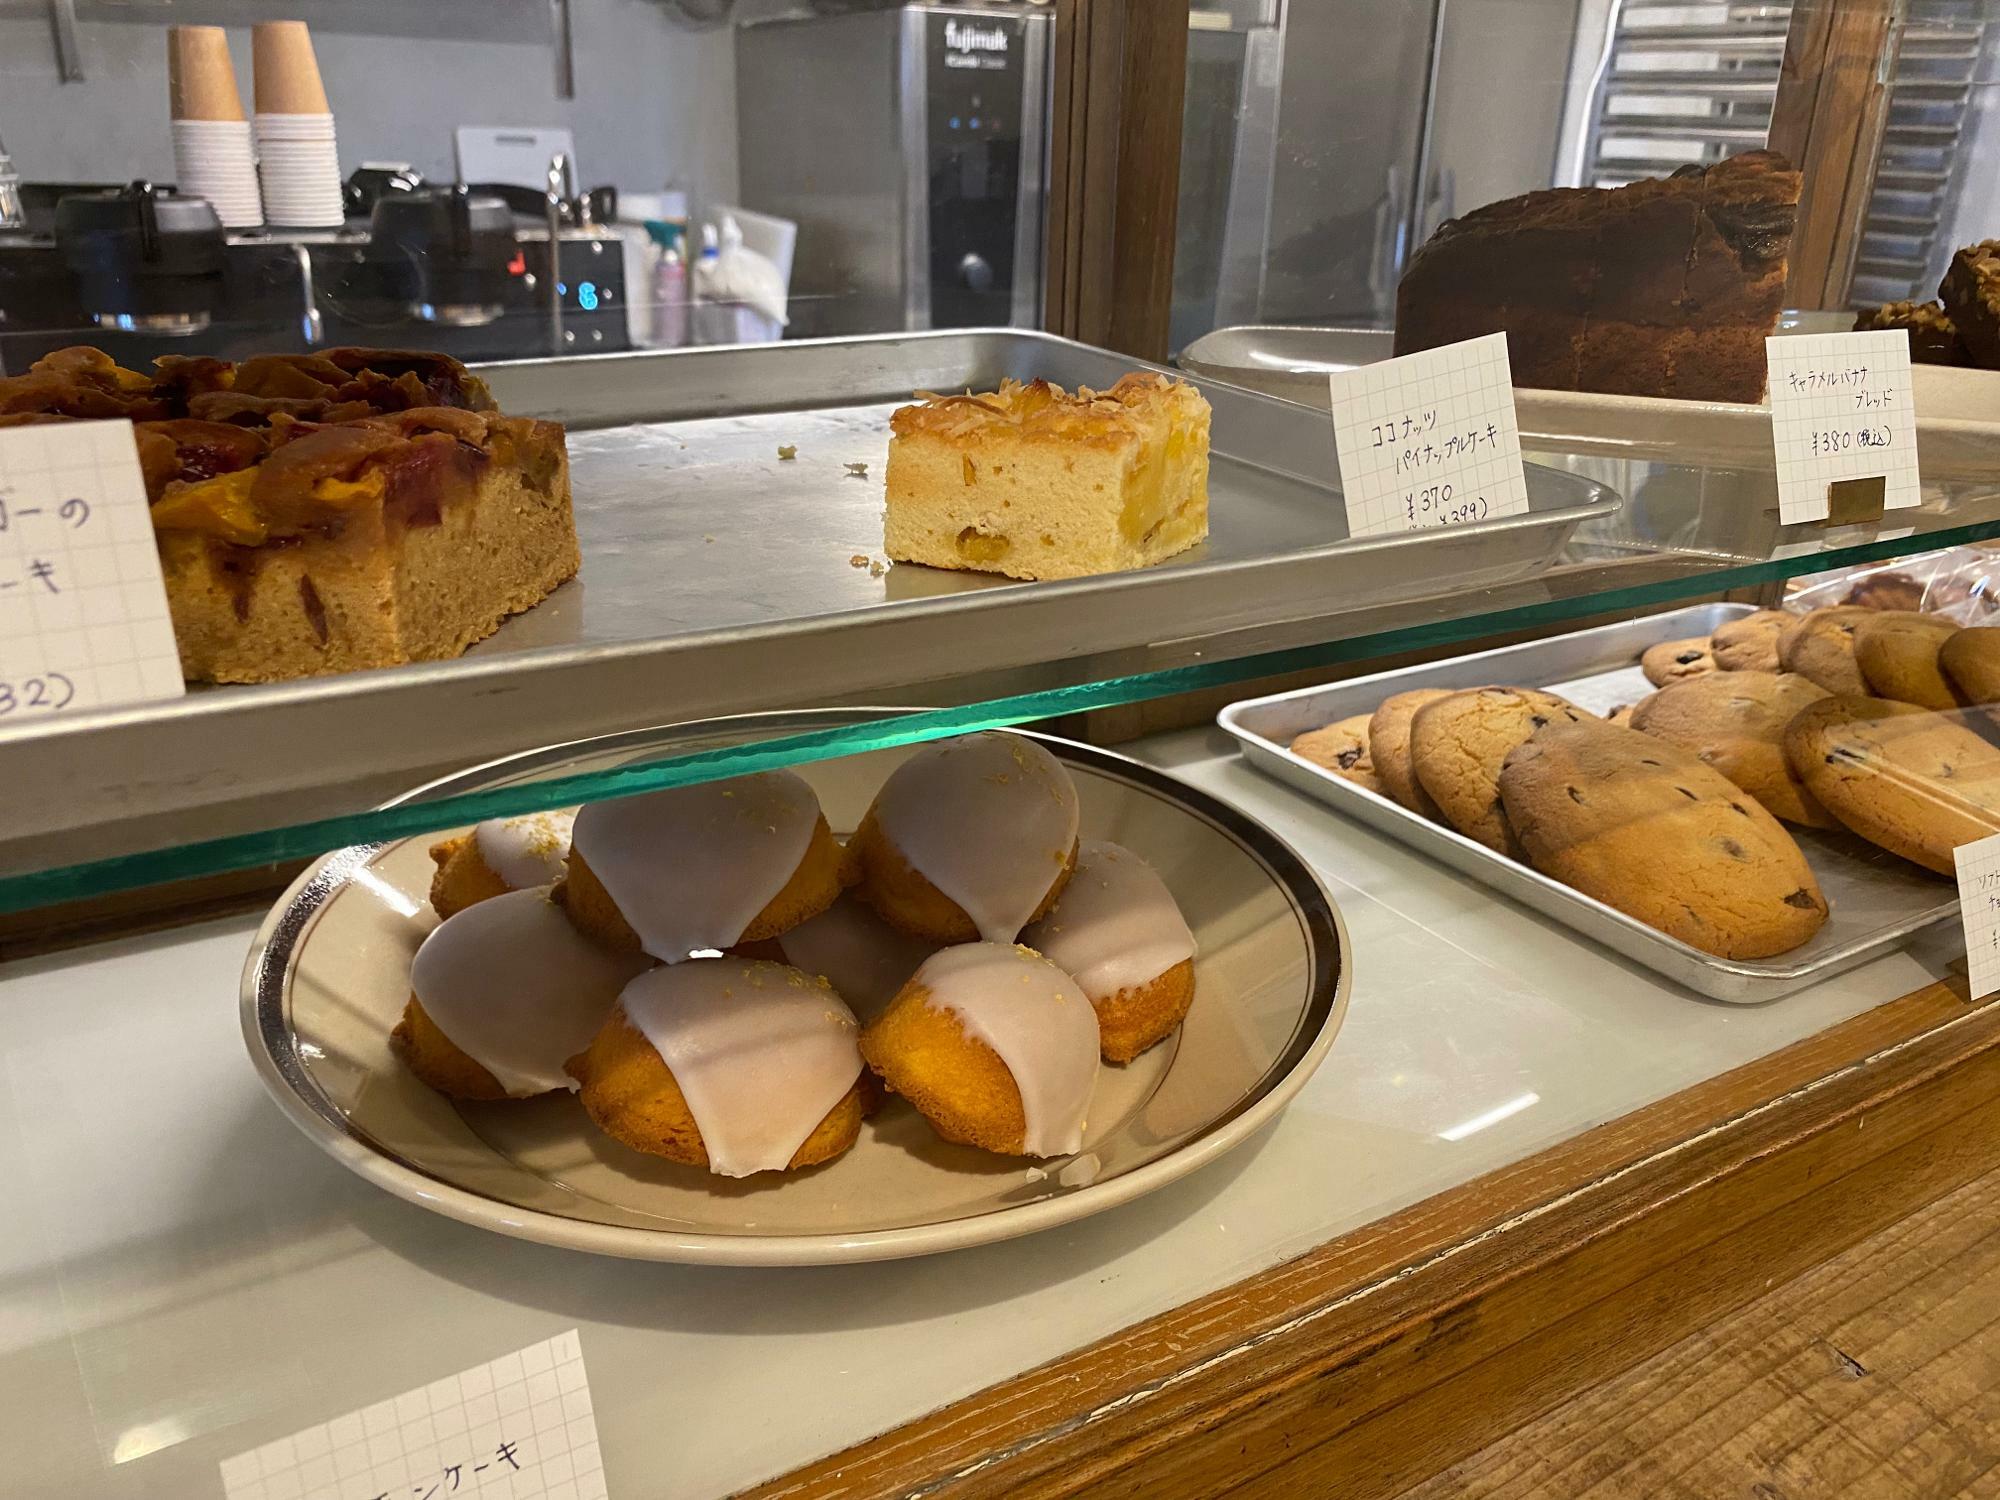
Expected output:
(1679, 84)
(1917, 181)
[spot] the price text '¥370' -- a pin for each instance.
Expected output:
(1441, 505)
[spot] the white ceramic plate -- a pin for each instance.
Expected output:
(329, 974)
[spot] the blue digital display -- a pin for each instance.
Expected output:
(586, 295)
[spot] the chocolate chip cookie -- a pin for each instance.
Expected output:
(1820, 646)
(1735, 722)
(1749, 643)
(1914, 780)
(1674, 661)
(1971, 659)
(1457, 744)
(1645, 827)
(1897, 651)
(1389, 747)
(1341, 748)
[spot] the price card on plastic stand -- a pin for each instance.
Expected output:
(1429, 439)
(1842, 410)
(1978, 866)
(83, 605)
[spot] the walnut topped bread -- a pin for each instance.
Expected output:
(1970, 293)
(1934, 337)
(1034, 482)
(327, 512)
(1665, 287)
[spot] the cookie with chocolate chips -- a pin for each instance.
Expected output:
(1915, 781)
(1820, 646)
(1458, 743)
(1971, 660)
(1645, 827)
(1735, 722)
(1341, 748)
(1389, 748)
(1749, 643)
(1675, 661)
(1897, 652)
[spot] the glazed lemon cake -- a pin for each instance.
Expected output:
(1034, 482)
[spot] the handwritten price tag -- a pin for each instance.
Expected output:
(1842, 407)
(519, 1427)
(1979, 908)
(1429, 439)
(83, 606)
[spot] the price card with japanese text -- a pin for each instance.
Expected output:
(519, 1427)
(83, 605)
(1979, 908)
(1842, 408)
(1429, 439)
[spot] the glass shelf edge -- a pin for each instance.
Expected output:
(75, 882)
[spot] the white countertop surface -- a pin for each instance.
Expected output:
(183, 1276)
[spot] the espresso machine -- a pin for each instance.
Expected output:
(489, 272)
(909, 142)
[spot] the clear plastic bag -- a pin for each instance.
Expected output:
(1961, 583)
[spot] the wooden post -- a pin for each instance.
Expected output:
(1829, 115)
(1120, 77)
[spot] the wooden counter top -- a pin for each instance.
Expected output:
(1872, 1375)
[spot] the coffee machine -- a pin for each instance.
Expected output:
(909, 142)
(141, 271)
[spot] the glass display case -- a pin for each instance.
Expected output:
(879, 462)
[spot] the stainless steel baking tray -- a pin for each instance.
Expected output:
(1878, 902)
(1957, 436)
(719, 577)
(1291, 363)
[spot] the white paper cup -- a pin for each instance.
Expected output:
(299, 170)
(295, 127)
(213, 160)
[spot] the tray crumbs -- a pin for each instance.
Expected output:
(856, 471)
(858, 560)
(788, 451)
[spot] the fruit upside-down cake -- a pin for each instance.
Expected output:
(326, 512)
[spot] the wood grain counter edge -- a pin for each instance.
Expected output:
(1387, 1354)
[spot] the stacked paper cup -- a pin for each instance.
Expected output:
(295, 146)
(212, 155)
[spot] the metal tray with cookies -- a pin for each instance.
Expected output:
(1877, 902)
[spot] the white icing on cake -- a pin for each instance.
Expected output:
(517, 988)
(525, 851)
(760, 1051)
(988, 819)
(1115, 926)
(692, 866)
(1037, 1020)
(866, 959)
